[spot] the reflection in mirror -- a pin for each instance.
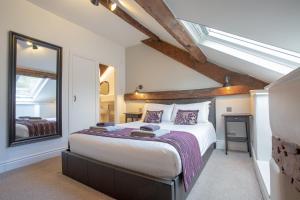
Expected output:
(104, 88)
(35, 90)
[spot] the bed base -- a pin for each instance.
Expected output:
(121, 183)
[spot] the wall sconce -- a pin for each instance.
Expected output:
(95, 2)
(111, 3)
(113, 6)
(29, 43)
(34, 46)
(137, 89)
(227, 81)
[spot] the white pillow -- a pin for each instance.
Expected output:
(168, 109)
(203, 108)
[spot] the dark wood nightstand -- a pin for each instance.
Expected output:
(237, 117)
(133, 116)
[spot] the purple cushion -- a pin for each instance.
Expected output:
(153, 116)
(186, 117)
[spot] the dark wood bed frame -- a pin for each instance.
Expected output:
(125, 184)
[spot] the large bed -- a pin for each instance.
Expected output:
(27, 127)
(134, 169)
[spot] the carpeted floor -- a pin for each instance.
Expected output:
(229, 177)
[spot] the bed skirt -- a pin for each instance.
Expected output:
(122, 183)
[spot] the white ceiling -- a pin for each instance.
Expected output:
(139, 14)
(95, 18)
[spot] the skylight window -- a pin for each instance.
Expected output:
(28, 88)
(270, 57)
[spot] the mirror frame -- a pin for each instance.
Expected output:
(13, 37)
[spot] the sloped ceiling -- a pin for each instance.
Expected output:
(274, 22)
(238, 65)
(193, 8)
(139, 14)
(94, 18)
(270, 21)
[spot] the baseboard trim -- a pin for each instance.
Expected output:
(24, 161)
(220, 144)
(259, 177)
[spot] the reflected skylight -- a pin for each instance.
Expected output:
(27, 88)
(270, 57)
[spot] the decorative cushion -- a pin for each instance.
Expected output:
(153, 116)
(186, 117)
(203, 108)
(168, 109)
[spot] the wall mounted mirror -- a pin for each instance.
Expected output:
(35, 74)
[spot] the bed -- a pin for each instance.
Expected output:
(133, 169)
(26, 127)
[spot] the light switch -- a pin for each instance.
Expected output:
(228, 109)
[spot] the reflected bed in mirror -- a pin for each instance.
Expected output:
(34, 90)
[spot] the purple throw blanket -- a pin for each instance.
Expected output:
(185, 143)
(38, 127)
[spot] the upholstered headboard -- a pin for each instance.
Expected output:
(212, 109)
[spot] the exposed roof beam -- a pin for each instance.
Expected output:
(25, 71)
(208, 69)
(122, 14)
(102, 68)
(189, 94)
(159, 11)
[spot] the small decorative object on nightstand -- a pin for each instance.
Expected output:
(237, 117)
(134, 116)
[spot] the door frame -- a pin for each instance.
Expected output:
(115, 92)
(70, 89)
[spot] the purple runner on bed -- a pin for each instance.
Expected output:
(38, 127)
(185, 143)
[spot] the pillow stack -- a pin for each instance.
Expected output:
(181, 114)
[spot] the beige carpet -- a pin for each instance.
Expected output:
(224, 178)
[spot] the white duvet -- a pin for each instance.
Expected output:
(152, 158)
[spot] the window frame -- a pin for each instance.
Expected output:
(273, 58)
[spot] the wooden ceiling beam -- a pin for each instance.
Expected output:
(102, 68)
(189, 94)
(162, 14)
(25, 71)
(130, 20)
(208, 69)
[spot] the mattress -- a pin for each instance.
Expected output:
(148, 157)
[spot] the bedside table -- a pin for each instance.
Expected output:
(237, 117)
(133, 116)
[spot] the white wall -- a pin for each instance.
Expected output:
(238, 103)
(157, 72)
(26, 18)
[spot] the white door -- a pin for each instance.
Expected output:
(83, 94)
